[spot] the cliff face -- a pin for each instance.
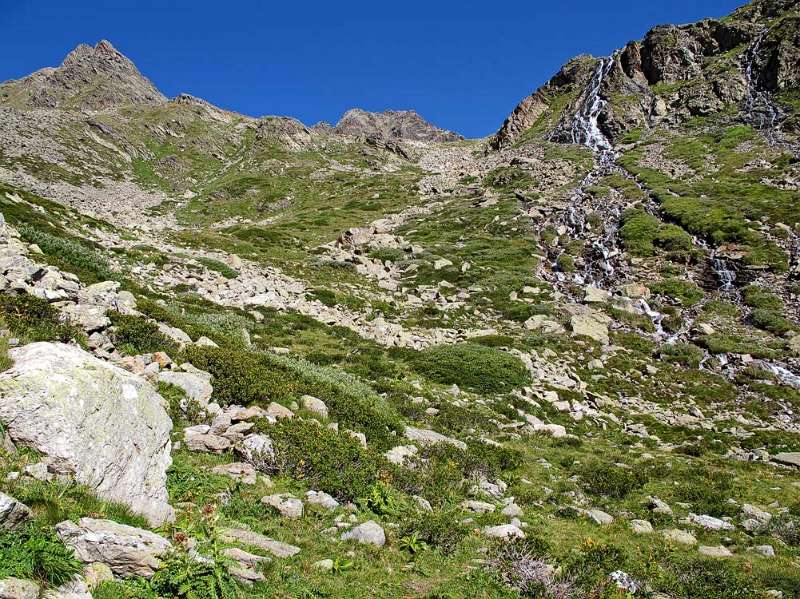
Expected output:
(674, 73)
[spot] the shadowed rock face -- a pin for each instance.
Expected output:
(405, 125)
(90, 78)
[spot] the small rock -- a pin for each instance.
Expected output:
(718, 551)
(368, 533)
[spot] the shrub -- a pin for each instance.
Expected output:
(604, 479)
(772, 321)
(324, 459)
(34, 553)
(135, 335)
(246, 377)
(35, 319)
(184, 577)
(703, 577)
(684, 354)
(70, 254)
(756, 296)
(220, 267)
(441, 529)
(472, 366)
(684, 292)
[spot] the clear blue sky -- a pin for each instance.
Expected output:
(463, 65)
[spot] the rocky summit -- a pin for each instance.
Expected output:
(248, 357)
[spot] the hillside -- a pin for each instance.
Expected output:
(248, 357)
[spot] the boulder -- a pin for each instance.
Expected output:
(718, 551)
(106, 426)
(12, 513)
(641, 527)
(196, 386)
(398, 455)
(709, 522)
(368, 533)
(288, 505)
(128, 551)
(504, 532)
(321, 499)
(256, 449)
(590, 325)
(314, 405)
(238, 471)
(428, 437)
(679, 536)
(17, 588)
(791, 458)
(89, 318)
(253, 539)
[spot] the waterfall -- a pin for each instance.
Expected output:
(759, 108)
(585, 129)
(725, 275)
(784, 375)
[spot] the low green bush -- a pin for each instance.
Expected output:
(249, 377)
(609, 480)
(684, 292)
(685, 354)
(441, 529)
(35, 319)
(36, 553)
(756, 296)
(70, 255)
(471, 366)
(772, 321)
(220, 267)
(135, 335)
(325, 459)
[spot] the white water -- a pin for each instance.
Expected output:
(759, 108)
(785, 376)
(585, 128)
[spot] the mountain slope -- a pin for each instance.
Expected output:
(563, 362)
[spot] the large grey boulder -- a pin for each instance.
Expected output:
(12, 513)
(17, 588)
(127, 550)
(106, 426)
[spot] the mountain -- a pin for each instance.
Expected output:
(673, 74)
(391, 125)
(89, 79)
(247, 357)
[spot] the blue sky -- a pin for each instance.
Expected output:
(462, 65)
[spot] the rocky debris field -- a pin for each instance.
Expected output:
(250, 358)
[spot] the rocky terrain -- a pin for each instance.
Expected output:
(247, 357)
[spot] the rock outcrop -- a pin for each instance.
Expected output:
(127, 550)
(400, 125)
(107, 427)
